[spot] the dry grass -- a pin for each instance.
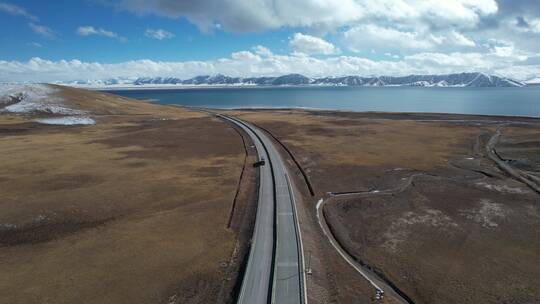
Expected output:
(131, 210)
(454, 235)
(357, 151)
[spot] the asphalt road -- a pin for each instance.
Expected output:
(274, 273)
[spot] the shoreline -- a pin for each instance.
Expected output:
(313, 109)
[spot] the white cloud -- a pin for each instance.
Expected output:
(535, 25)
(158, 34)
(245, 56)
(528, 25)
(90, 30)
(35, 44)
(443, 11)
(307, 44)
(368, 36)
(42, 30)
(262, 51)
(250, 15)
(459, 39)
(16, 11)
(34, 26)
(507, 50)
(452, 61)
(262, 62)
(457, 25)
(412, 36)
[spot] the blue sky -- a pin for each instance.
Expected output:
(64, 17)
(96, 39)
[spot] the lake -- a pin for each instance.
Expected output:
(490, 101)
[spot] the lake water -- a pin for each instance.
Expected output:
(495, 101)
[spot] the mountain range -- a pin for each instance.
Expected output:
(448, 80)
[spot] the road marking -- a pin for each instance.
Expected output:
(287, 264)
(282, 192)
(293, 200)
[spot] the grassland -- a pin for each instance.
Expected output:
(133, 209)
(155, 204)
(430, 212)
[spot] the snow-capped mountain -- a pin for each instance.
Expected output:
(449, 80)
(100, 82)
(533, 81)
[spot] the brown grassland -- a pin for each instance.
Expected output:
(155, 204)
(133, 209)
(452, 227)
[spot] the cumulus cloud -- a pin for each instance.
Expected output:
(412, 36)
(16, 11)
(259, 61)
(90, 30)
(371, 36)
(459, 39)
(158, 34)
(249, 15)
(527, 25)
(307, 44)
(401, 27)
(262, 51)
(42, 30)
(432, 25)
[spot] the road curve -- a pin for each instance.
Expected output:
(381, 287)
(275, 271)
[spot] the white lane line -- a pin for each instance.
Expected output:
(258, 224)
(300, 238)
(287, 264)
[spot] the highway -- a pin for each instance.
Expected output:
(274, 271)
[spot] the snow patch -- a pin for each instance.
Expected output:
(67, 121)
(31, 98)
(29, 107)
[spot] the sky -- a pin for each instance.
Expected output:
(68, 40)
